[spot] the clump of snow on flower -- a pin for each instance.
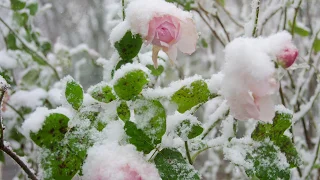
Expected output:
(36, 119)
(249, 75)
(114, 162)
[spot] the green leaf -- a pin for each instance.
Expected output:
(172, 166)
(74, 94)
(131, 84)
(103, 93)
(187, 129)
(33, 8)
(11, 41)
(316, 45)
(138, 138)
(52, 131)
(267, 164)
(17, 4)
(188, 97)
(275, 131)
(129, 46)
(21, 18)
(123, 111)
(61, 164)
(155, 72)
(151, 115)
(299, 30)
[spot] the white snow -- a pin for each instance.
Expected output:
(31, 99)
(7, 62)
(282, 109)
(119, 31)
(111, 161)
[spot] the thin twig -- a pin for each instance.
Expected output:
(296, 9)
(7, 150)
(256, 20)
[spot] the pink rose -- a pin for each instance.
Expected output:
(256, 103)
(288, 55)
(164, 25)
(170, 34)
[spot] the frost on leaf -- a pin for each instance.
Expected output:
(102, 93)
(53, 131)
(171, 165)
(129, 46)
(63, 163)
(188, 97)
(74, 94)
(188, 129)
(131, 84)
(268, 163)
(275, 131)
(123, 111)
(150, 116)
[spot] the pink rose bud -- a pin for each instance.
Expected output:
(287, 56)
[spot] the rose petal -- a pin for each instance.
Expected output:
(172, 53)
(266, 105)
(188, 37)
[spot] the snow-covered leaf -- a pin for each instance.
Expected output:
(267, 164)
(63, 163)
(123, 111)
(131, 84)
(52, 131)
(138, 138)
(171, 165)
(17, 4)
(188, 97)
(188, 129)
(74, 94)
(275, 131)
(155, 72)
(129, 46)
(103, 93)
(151, 116)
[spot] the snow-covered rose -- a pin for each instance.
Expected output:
(164, 25)
(114, 162)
